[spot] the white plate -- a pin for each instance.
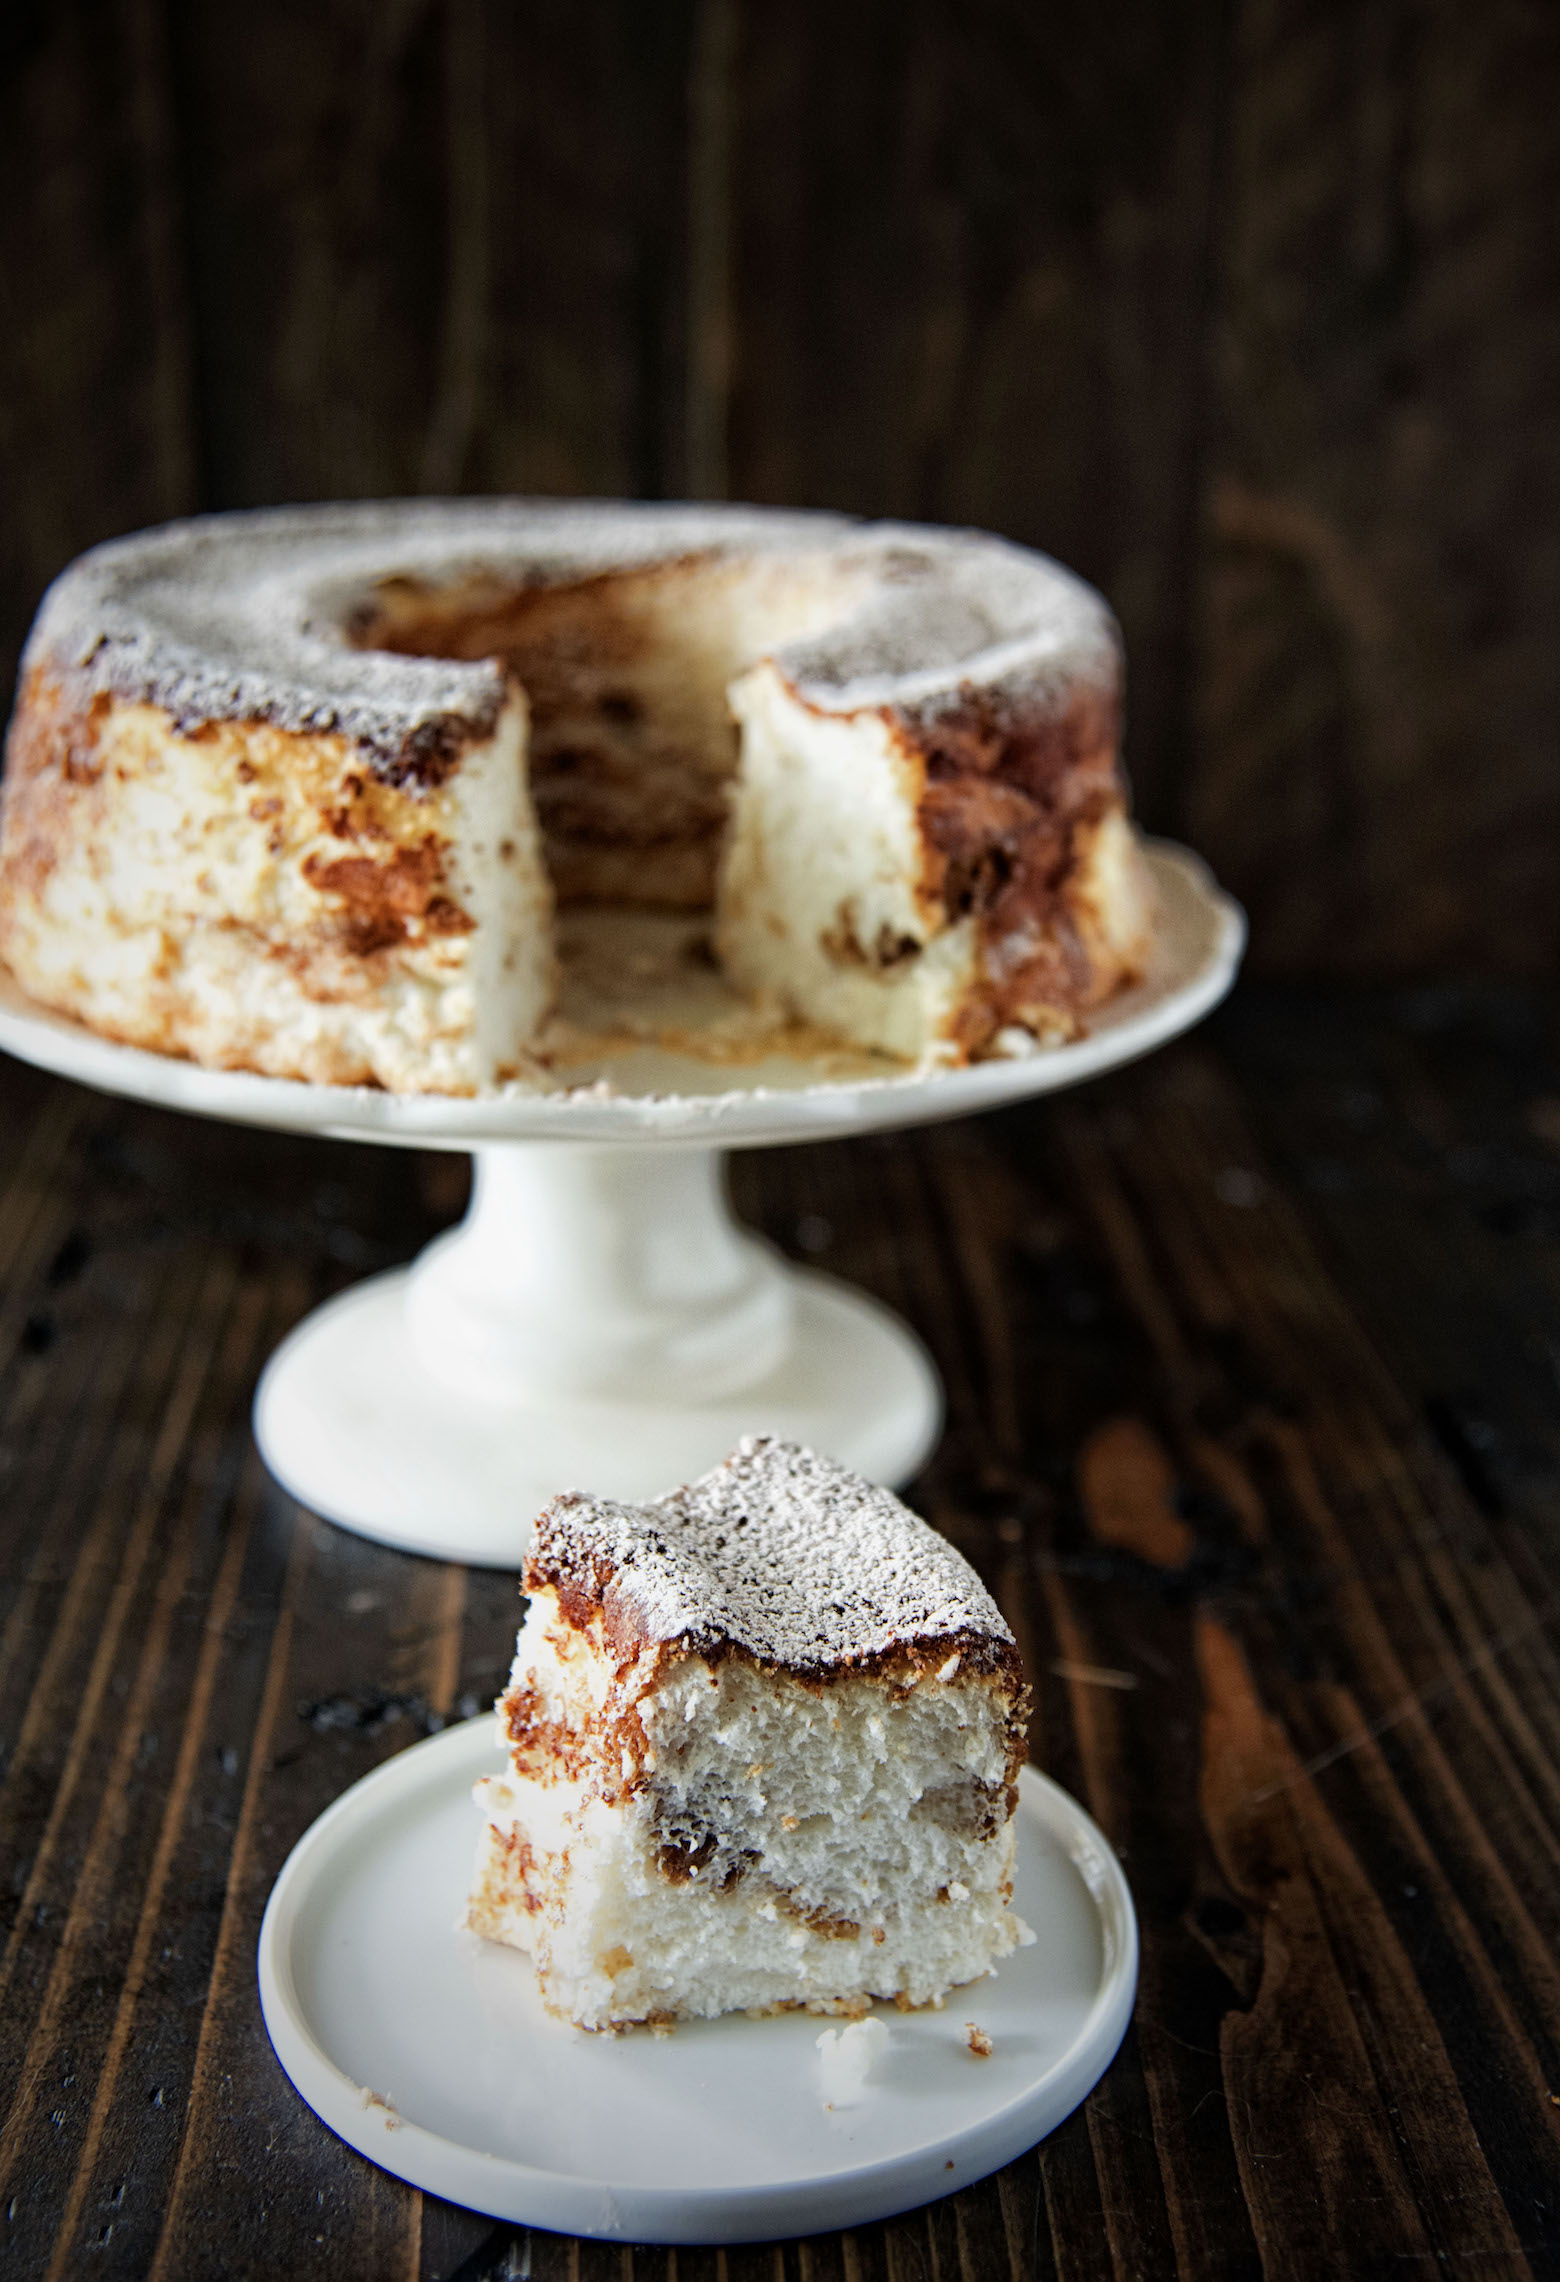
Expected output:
(428, 2050)
(648, 1094)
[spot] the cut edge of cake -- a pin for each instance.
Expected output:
(921, 910)
(256, 899)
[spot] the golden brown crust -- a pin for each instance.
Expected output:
(613, 1751)
(1009, 805)
(509, 1872)
(392, 899)
(781, 1558)
(340, 876)
(589, 1601)
(295, 789)
(52, 750)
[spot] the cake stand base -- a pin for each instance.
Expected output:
(351, 1423)
(598, 1321)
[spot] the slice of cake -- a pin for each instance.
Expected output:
(764, 1737)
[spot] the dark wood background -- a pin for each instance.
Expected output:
(1252, 1357)
(1248, 308)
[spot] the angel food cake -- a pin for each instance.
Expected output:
(764, 1737)
(301, 791)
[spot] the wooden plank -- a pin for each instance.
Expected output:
(94, 365)
(344, 2214)
(105, 2163)
(434, 247)
(1312, 1371)
(1369, 769)
(76, 1675)
(93, 1859)
(973, 250)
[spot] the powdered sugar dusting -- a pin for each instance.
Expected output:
(245, 616)
(950, 609)
(779, 1551)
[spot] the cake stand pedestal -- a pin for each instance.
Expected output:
(599, 1320)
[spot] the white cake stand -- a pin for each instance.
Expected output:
(599, 1318)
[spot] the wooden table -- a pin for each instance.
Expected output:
(1253, 1364)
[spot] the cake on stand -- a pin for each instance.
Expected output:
(599, 1318)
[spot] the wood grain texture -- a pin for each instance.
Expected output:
(434, 246)
(1244, 307)
(974, 268)
(96, 403)
(1381, 487)
(1251, 1357)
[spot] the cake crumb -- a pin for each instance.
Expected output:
(846, 2057)
(390, 2112)
(977, 2040)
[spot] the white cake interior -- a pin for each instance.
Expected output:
(763, 1840)
(822, 902)
(198, 910)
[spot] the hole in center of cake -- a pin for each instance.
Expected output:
(632, 744)
(632, 755)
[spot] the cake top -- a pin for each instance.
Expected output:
(948, 612)
(780, 1552)
(248, 616)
